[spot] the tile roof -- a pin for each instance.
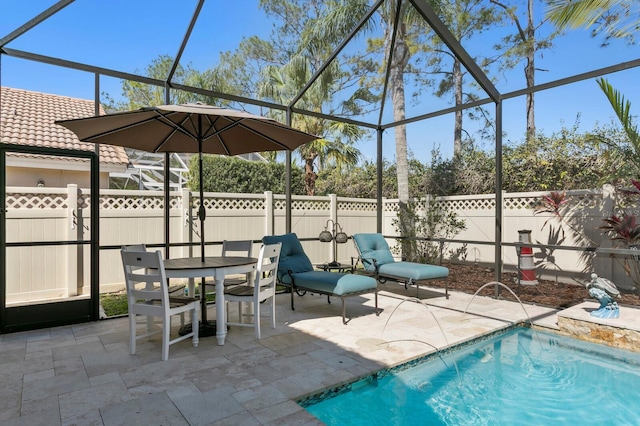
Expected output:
(27, 118)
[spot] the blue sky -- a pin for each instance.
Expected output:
(127, 35)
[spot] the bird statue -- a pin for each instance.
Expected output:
(605, 291)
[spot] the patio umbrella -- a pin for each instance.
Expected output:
(189, 128)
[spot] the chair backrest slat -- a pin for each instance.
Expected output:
(268, 261)
(143, 267)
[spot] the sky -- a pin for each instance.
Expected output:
(127, 35)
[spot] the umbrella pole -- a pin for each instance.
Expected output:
(207, 328)
(202, 217)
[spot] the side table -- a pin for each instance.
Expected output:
(330, 266)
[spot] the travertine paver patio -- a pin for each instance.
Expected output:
(84, 375)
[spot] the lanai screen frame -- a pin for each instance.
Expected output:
(427, 13)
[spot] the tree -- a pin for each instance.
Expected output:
(141, 95)
(628, 150)
(301, 56)
(235, 175)
(465, 19)
(525, 44)
(564, 160)
(615, 18)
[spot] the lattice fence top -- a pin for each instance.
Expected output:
(17, 200)
(521, 203)
(231, 203)
(137, 202)
(119, 200)
(305, 204)
(358, 206)
(392, 206)
(467, 204)
(590, 200)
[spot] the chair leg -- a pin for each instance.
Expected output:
(446, 288)
(344, 320)
(273, 311)
(166, 325)
(132, 334)
(256, 318)
(195, 327)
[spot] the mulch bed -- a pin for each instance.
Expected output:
(469, 278)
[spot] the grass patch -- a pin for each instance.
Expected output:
(114, 304)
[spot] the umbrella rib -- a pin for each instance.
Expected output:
(177, 127)
(118, 129)
(239, 123)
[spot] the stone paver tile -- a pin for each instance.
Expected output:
(89, 418)
(78, 403)
(42, 344)
(101, 363)
(226, 375)
(276, 413)
(46, 417)
(77, 350)
(173, 370)
(50, 405)
(13, 347)
(57, 385)
(154, 409)
(43, 374)
(259, 397)
(68, 365)
(243, 418)
(209, 406)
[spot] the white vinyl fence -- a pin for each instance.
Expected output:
(129, 217)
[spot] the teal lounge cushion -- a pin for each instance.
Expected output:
(373, 246)
(334, 282)
(414, 271)
(292, 255)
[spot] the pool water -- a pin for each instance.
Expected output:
(521, 377)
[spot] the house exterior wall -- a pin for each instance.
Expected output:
(55, 178)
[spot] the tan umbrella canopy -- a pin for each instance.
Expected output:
(181, 128)
(194, 128)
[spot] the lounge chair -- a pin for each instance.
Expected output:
(296, 271)
(376, 258)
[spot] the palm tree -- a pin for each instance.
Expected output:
(622, 109)
(336, 145)
(616, 18)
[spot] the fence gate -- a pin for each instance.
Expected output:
(54, 280)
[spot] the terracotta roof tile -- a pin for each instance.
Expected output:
(27, 118)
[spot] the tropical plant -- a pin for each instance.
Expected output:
(623, 228)
(303, 51)
(615, 18)
(431, 226)
(552, 203)
(630, 151)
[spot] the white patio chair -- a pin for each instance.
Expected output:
(237, 248)
(241, 248)
(264, 288)
(152, 299)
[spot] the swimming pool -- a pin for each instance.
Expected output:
(521, 377)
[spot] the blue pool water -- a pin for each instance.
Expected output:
(521, 377)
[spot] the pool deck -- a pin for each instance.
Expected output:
(84, 375)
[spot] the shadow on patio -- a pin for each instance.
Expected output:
(83, 374)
